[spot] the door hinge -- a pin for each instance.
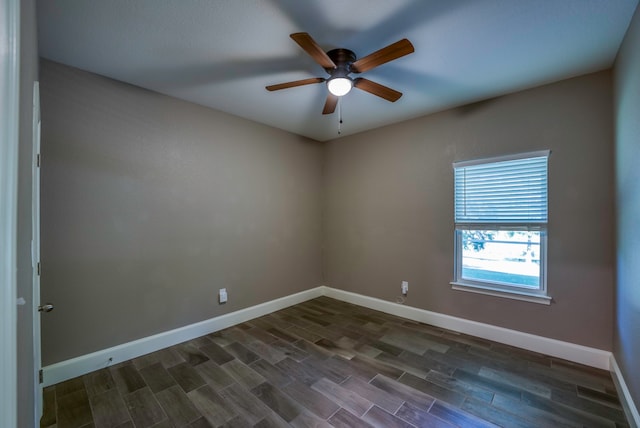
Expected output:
(40, 376)
(38, 268)
(38, 160)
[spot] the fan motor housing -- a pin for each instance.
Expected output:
(342, 58)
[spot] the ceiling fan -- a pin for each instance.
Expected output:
(339, 63)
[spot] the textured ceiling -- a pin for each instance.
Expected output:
(222, 53)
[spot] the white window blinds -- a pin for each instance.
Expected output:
(504, 190)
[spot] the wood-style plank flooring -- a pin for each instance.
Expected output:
(327, 363)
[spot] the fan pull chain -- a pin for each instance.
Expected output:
(339, 115)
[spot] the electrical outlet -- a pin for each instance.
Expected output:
(222, 295)
(405, 287)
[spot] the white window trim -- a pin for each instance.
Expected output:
(511, 294)
(539, 295)
(536, 154)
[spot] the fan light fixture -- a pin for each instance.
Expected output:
(339, 86)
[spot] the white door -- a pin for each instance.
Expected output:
(35, 251)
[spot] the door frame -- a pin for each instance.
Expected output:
(35, 251)
(9, 104)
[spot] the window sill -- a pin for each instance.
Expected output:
(516, 295)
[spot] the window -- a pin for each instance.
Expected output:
(501, 226)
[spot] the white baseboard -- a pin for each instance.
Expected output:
(629, 406)
(543, 345)
(78, 366)
(84, 364)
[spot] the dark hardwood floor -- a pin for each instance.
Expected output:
(328, 363)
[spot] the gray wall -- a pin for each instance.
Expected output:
(151, 204)
(627, 113)
(28, 74)
(389, 207)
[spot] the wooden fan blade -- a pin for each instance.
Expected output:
(330, 104)
(393, 51)
(377, 89)
(310, 46)
(295, 83)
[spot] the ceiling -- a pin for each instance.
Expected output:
(222, 53)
